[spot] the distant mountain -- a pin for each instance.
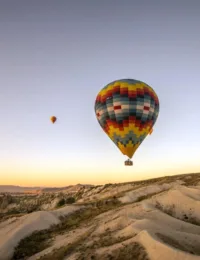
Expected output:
(13, 188)
(19, 189)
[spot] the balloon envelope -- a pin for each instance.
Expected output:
(53, 119)
(127, 110)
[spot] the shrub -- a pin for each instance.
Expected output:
(70, 200)
(61, 202)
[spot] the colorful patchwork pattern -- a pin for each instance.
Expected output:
(127, 110)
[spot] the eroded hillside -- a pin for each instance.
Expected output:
(153, 219)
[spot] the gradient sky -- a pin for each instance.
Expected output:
(55, 56)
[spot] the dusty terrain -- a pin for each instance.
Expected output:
(151, 220)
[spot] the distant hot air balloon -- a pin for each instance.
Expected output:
(53, 119)
(127, 110)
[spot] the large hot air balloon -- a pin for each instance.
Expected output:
(53, 119)
(127, 110)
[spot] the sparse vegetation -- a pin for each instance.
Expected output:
(176, 244)
(193, 180)
(191, 220)
(108, 185)
(61, 253)
(132, 251)
(63, 201)
(126, 252)
(23, 204)
(38, 241)
(6, 216)
(148, 196)
(86, 252)
(70, 200)
(171, 211)
(42, 239)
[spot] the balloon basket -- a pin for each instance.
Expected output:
(128, 163)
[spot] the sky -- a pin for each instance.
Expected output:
(55, 56)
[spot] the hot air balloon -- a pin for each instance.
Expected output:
(53, 119)
(127, 110)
